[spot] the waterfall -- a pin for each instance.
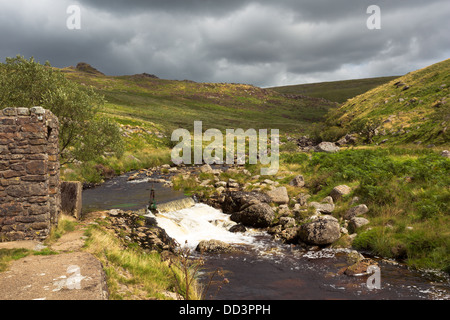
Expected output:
(199, 222)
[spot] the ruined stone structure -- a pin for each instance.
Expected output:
(29, 173)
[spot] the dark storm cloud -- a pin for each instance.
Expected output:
(260, 42)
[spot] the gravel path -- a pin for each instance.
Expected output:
(69, 275)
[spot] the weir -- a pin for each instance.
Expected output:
(176, 205)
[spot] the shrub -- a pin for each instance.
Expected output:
(83, 134)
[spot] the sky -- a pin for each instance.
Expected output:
(265, 43)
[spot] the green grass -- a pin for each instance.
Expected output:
(418, 111)
(175, 104)
(407, 192)
(132, 273)
(8, 255)
(337, 91)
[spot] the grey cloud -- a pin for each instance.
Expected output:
(260, 42)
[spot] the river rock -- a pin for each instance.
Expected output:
(357, 222)
(445, 154)
(328, 147)
(356, 211)
(360, 267)
(298, 181)
(233, 185)
(257, 215)
(324, 207)
(302, 199)
(284, 211)
(320, 232)
(279, 195)
(206, 169)
(338, 192)
(287, 222)
(236, 201)
(288, 235)
(213, 246)
(238, 228)
(347, 139)
(219, 184)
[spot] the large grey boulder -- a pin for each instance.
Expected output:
(206, 169)
(357, 222)
(320, 232)
(328, 147)
(356, 211)
(325, 207)
(236, 201)
(298, 181)
(279, 195)
(257, 215)
(338, 192)
(213, 246)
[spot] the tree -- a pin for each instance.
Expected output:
(84, 133)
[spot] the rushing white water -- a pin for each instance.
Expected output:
(201, 222)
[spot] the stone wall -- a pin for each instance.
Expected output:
(29, 173)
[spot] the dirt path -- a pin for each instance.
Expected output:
(72, 274)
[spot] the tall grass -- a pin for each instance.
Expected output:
(133, 273)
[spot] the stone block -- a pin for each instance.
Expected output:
(71, 198)
(37, 167)
(37, 110)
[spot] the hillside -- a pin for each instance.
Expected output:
(146, 100)
(411, 109)
(337, 91)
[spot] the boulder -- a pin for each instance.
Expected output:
(206, 169)
(238, 228)
(257, 215)
(302, 199)
(324, 207)
(360, 267)
(279, 195)
(356, 211)
(219, 184)
(298, 181)
(328, 147)
(338, 192)
(347, 139)
(320, 232)
(357, 222)
(287, 222)
(236, 201)
(288, 235)
(305, 142)
(213, 246)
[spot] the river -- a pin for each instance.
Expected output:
(262, 269)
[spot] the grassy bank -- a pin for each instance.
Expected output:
(407, 192)
(338, 91)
